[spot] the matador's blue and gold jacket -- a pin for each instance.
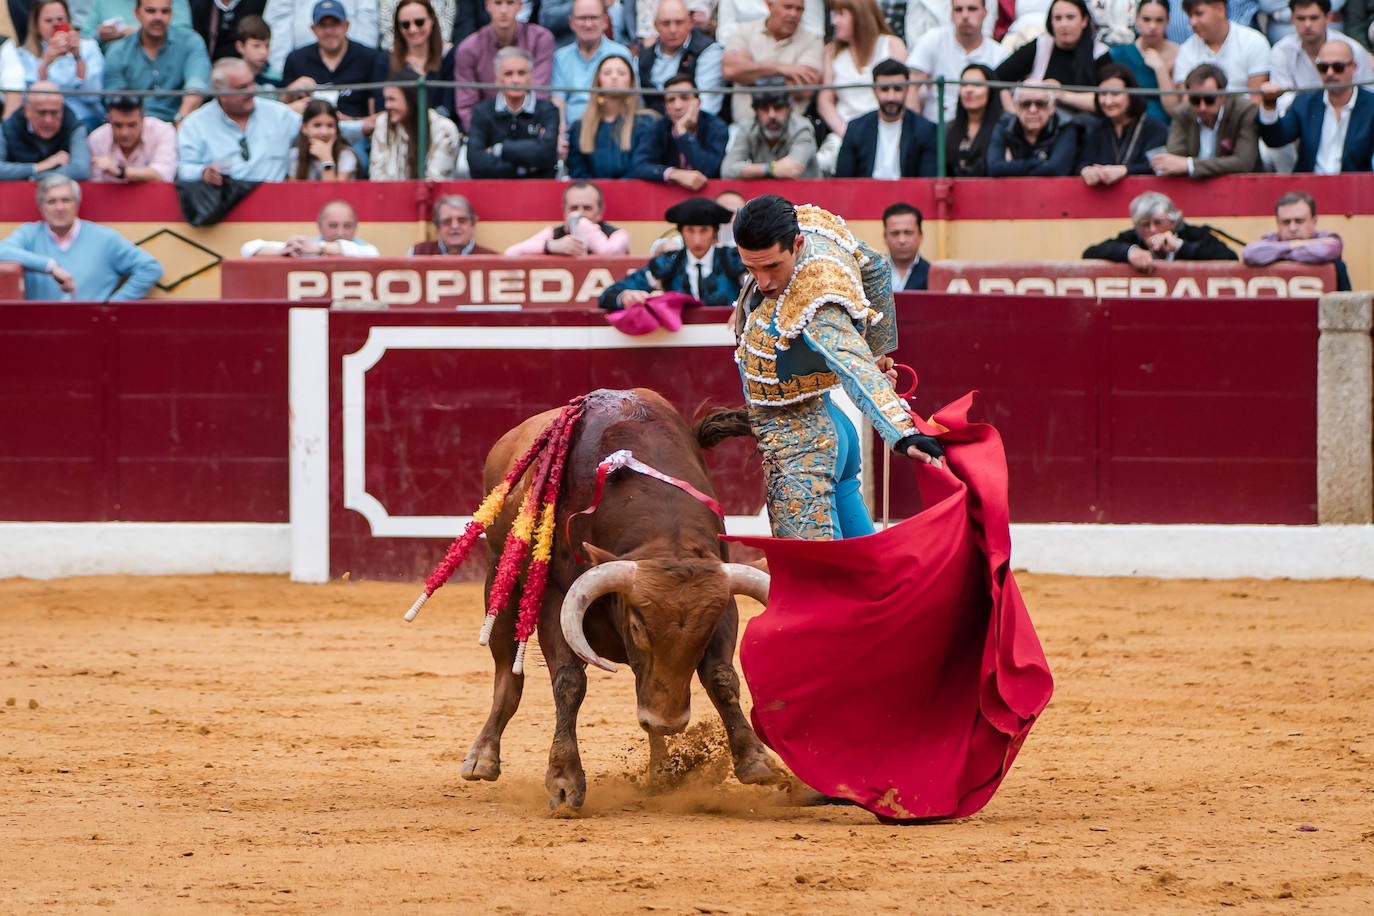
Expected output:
(824, 330)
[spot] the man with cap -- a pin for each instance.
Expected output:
(701, 268)
(335, 58)
(291, 25)
(778, 144)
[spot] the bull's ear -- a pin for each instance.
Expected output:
(596, 554)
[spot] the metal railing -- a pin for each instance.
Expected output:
(424, 86)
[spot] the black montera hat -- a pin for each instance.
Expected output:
(698, 211)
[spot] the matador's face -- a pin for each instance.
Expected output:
(773, 267)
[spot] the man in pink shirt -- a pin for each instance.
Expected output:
(131, 147)
(581, 233)
(1298, 239)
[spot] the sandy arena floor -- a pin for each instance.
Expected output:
(233, 743)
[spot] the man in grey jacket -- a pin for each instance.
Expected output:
(778, 144)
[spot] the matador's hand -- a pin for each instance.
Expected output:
(922, 448)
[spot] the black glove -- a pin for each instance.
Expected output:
(928, 444)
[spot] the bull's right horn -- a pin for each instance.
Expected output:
(615, 576)
(748, 581)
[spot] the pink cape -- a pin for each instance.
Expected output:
(901, 670)
(661, 310)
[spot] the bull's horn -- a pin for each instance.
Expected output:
(746, 580)
(615, 576)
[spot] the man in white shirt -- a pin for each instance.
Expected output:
(338, 224)
(1334, 129)
(774, 46)
(1241, 52)
(1293, 59)
(946, 51)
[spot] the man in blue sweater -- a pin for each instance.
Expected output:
(65, 258)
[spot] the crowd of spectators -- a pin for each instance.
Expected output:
(691, 91)
(679, 92)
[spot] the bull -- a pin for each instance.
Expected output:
(658, 594)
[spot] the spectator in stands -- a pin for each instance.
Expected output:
(1115, 145)
(975, 117)
(680, 49)
(1068, 53)
(387, 32)
(1034, 140)
(778, 144)
(43, 136)
(1210, 134)
(1334, 129)
(947, 51)
(292, 23)
(685, 146)
(702, 268)
(53, 52)
(236, 135)
(319, 153)
(159, 56)
(773, 46)
(1159, 233)
(395, 138)
(419, 42)
(733, 15)
(1151, 56)
(338, 237)
(1298, 239)
(254, 46)
(893, 141)
(66, 258)
(903, 235)
(862, 39)
(1240, 51)
(581, 233)
(1293, 59)
(474, 61)
(576, 63)
(601, 142)
(333, 59)
(514, 135)
(133, 147)
(456, 222)
(116, 19)
(217, 22)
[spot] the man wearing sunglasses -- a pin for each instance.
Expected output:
(1293, 61)
(1210, 134)
(1036, 141)
(1334, 129)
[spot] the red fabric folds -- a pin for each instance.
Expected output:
(901, 670)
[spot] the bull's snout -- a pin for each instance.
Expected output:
(655, 724)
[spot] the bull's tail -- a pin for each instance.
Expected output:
(719, 425)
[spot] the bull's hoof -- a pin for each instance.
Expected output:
(567, 788)
(482, 763)
(758, 770)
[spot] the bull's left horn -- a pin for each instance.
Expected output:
(746, 580)
(615, 576)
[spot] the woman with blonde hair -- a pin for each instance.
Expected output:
(600, 142)
(862, 38)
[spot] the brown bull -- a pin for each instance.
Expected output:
(659, 595)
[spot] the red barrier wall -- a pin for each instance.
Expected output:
(1130, 410)
(1113, 411)
(11, 282)
(1169, 279)
(152, 412)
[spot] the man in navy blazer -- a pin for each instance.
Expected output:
(892, 142)
(686, 146)
(1335, 128)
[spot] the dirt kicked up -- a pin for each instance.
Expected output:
(233, 743)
